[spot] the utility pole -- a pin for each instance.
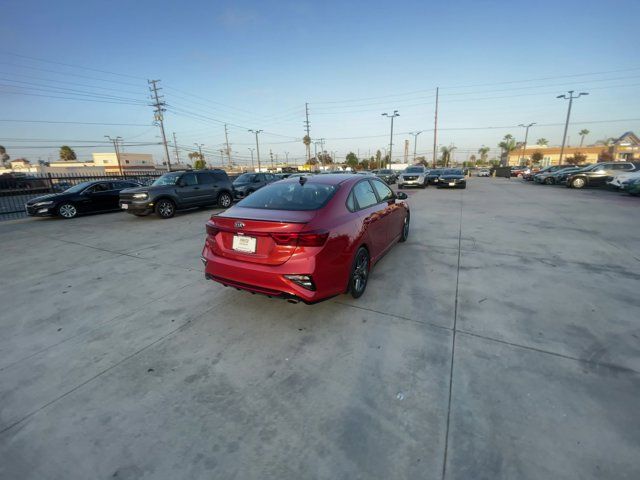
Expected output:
(315, 152)
(226, 141)
(221, 156)
(415, 143)
(286, 156)
(257, 147)
(307, 126)
(252, 150)
(566, 124)
(271, 158)
(435, 131)
(200, 145)
(159, 105)
(526, 136)
(406, 152)
(175, 146)
(115, 147)
(392, 116)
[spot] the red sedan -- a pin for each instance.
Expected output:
(306, 239)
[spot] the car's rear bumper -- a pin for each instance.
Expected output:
(267, 280)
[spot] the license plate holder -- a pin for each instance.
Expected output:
(452, 184)
(244, 244)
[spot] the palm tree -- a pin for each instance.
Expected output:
(607, 142)
(483, 151)
(447, 152)
(543, 142)
(583, 133)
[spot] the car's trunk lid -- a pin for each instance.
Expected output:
(258, 227)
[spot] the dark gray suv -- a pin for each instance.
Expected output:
(247, 183)
(177, 190)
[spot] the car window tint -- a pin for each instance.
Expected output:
(205, 178)
(219, 177)
(351, 204)
(364, 194)
(384, 192)
(189, 179)
(101, 187)
(290, 196)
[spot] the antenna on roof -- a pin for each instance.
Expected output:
(302, 180)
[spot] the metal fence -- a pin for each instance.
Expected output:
(16, 189)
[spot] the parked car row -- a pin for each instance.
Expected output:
(422, 177)
(617, 175)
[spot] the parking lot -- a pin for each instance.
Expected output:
(500, 342)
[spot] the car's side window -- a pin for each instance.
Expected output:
(351, 204)
(384, 192)
(219, 177)
(205, 178)
(364, 194)
(189, 179)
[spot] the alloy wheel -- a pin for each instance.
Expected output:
(578, 183)
(67, 210)
(165, 209)
(225, 200)
(360, 273)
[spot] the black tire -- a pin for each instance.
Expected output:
(225, 200)
(165, 208)
(405, 228)
(549, 181)
(359, 273)
(67, 211)
(578, 183)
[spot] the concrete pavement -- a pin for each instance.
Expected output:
(500, 341)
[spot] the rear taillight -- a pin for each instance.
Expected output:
(304, 239)
(304, 281)
(212, 229)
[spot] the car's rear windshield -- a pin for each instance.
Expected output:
(452, 172)
(290, 196)
(414, 170)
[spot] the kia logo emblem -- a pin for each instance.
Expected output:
(239, 225)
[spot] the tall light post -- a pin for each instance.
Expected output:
(199, 146)
(286, 156)
(257, 147)
(392, 116)
(252, 150)
(566, 124)
(415, 143)
(526, 136)
(115, 147)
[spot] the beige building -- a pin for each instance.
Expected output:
(128, 161)
(624, 148)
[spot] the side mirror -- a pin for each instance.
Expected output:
(401, 196)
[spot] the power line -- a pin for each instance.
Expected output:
(57, 72)
(4, 52)
(74, 123)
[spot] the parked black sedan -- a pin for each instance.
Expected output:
(452, 178)
(85, 197)
(433, 175)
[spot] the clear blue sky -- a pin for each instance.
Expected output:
(255, 63)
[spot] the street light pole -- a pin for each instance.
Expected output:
(115, 147)
(415, 143)
(566, 124)
(257, 147)
(526, 136)
(392, 116)
(252, 150)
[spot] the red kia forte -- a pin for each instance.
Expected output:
(306, 239)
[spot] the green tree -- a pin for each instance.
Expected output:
(364, 164)
(583, 133)
(352, 160)
(543, 142)
(508, 145)
(198, 160)
(577, 158)
(199, 164)
(447, 153)
(607, 142)
(67, 153)
(537, 156)
(484, 154)
(472, 160)
(378, 163)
